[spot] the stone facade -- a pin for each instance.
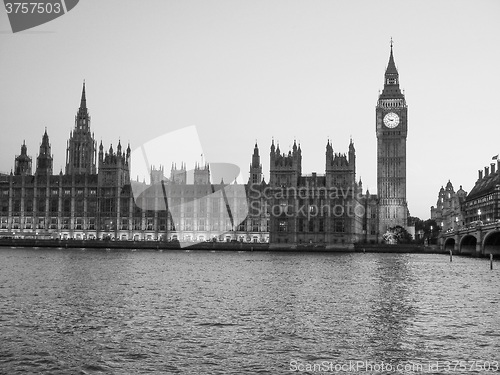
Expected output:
(96, 197)
(391, 129)
(92, 201)
(326, 210)
(448, 211)
(483, 202)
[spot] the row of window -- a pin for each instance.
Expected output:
(337, 226)
(126, 224)
(18, 192)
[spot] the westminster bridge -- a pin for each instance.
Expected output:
(477, 238)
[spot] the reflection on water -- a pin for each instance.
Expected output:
(76, 311)
(393, 308)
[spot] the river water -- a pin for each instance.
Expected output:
(177, 312)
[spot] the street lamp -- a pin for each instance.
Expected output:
(479, 214)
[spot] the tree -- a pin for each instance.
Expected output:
(431, 230)
(417, 222)
(397, 235)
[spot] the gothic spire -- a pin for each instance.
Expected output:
(256, 149)
(391, 67)
(44, 159)
(82, 119)
(391, 80)
(45, 145)
(45, 140)
(83, 102)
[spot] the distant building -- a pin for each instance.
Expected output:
(483, 201)
(448, 211)
(476, 229)
(328, 209)
(459, 210)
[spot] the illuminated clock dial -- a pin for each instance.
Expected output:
(391, 120)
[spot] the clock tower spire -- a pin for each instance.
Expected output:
(391, 129)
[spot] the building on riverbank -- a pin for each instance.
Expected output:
(476, 228)
(483, 202)
(96, 197)
(456, 210)
(328, 210)
(448, 211)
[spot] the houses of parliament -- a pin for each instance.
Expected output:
(94, 197)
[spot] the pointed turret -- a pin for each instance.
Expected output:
(351, 146)
(45, 138)
(352, 154)
(391, 67)
(329, 148)
(82, 148)
(23, 162)
(82, 118)
(255, 166)
(391, 79)
(44, 160)
(83, 102)
(255, 156)
(101, 154)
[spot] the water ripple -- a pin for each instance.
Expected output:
(89, 312)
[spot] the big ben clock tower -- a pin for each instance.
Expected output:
(391, 128)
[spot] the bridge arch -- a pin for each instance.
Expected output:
(491, 243)
(449, 244)
(468, 244)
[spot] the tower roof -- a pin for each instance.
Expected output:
(45, 138)
(24, 149)
(391, 80)
(391, 67)
(83, 102)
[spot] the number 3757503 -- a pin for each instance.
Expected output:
(40, 8)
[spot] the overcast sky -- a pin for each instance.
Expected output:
(242, 71)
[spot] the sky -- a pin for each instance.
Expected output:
(245, 71)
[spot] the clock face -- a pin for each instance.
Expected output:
(391, 120)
